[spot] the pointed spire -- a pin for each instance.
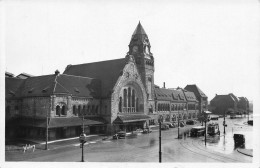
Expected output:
(139, 29)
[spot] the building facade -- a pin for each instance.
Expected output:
(101, 97)
(229, 104)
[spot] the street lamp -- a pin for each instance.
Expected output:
(47, 128)
(82, 138)
(178, 124)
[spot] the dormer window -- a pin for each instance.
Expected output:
(76, 90)
(30, 91)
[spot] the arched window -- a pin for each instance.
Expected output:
(93, 109)
(88, 110)
(58, 110)
(84, 110)
(129, 99)
(119, 105)
(79, 110)
(137, 104)
(63, 110)
(180, 117)
(74, 110)
(125, 98)
(97, 109)
(133, 100)
(106, 109)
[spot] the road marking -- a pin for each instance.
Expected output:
(92, 142)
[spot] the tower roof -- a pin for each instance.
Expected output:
(139, 29)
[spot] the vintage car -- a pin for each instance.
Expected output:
(147, 130)
(213, 129)
(190, 122)
(214, 117)
(120, 135)
(164, 127)
(169, 124)
(250, 122)
(239, 139)
(197, 131)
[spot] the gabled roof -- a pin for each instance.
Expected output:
(53, 84)
(196, 90)
(107, 72)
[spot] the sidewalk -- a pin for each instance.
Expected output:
(40, 145)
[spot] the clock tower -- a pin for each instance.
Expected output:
(140, 48)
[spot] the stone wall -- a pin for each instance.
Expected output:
(130, 77)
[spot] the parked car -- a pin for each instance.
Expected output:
(138, 130)
(214, 117)
(120, 135)
(250, 122)
(175, 124)
(164, 127)
(190, 122)
(197, 131)
(169, 124)
(239, 139)
(182, 124)
(147, 130)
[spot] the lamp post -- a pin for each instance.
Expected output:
(160, 143)
(178, 124)
(82, 138)
(47, 129)
(224, 122)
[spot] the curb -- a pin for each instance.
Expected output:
(244, 153)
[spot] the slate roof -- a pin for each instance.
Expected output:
(139, 30)
(53, 84)
(196, 90)
(139, 35)
(9, 74)
(224, 97)
(169, 95)
(12, 86)
(107, 72)
(190, 96)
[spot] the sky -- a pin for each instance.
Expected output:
(213, 44)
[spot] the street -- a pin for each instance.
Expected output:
(145, 147)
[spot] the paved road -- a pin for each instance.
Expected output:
(144, 148)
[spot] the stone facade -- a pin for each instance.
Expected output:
(125, 99)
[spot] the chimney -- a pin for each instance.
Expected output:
(57, 72)
(164, 85)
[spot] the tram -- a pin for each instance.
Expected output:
(213, 129)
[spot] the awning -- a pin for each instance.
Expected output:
(60, 122)
(130, 118)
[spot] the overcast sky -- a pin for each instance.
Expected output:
(213, 44)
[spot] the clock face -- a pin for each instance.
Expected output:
(135, 49)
